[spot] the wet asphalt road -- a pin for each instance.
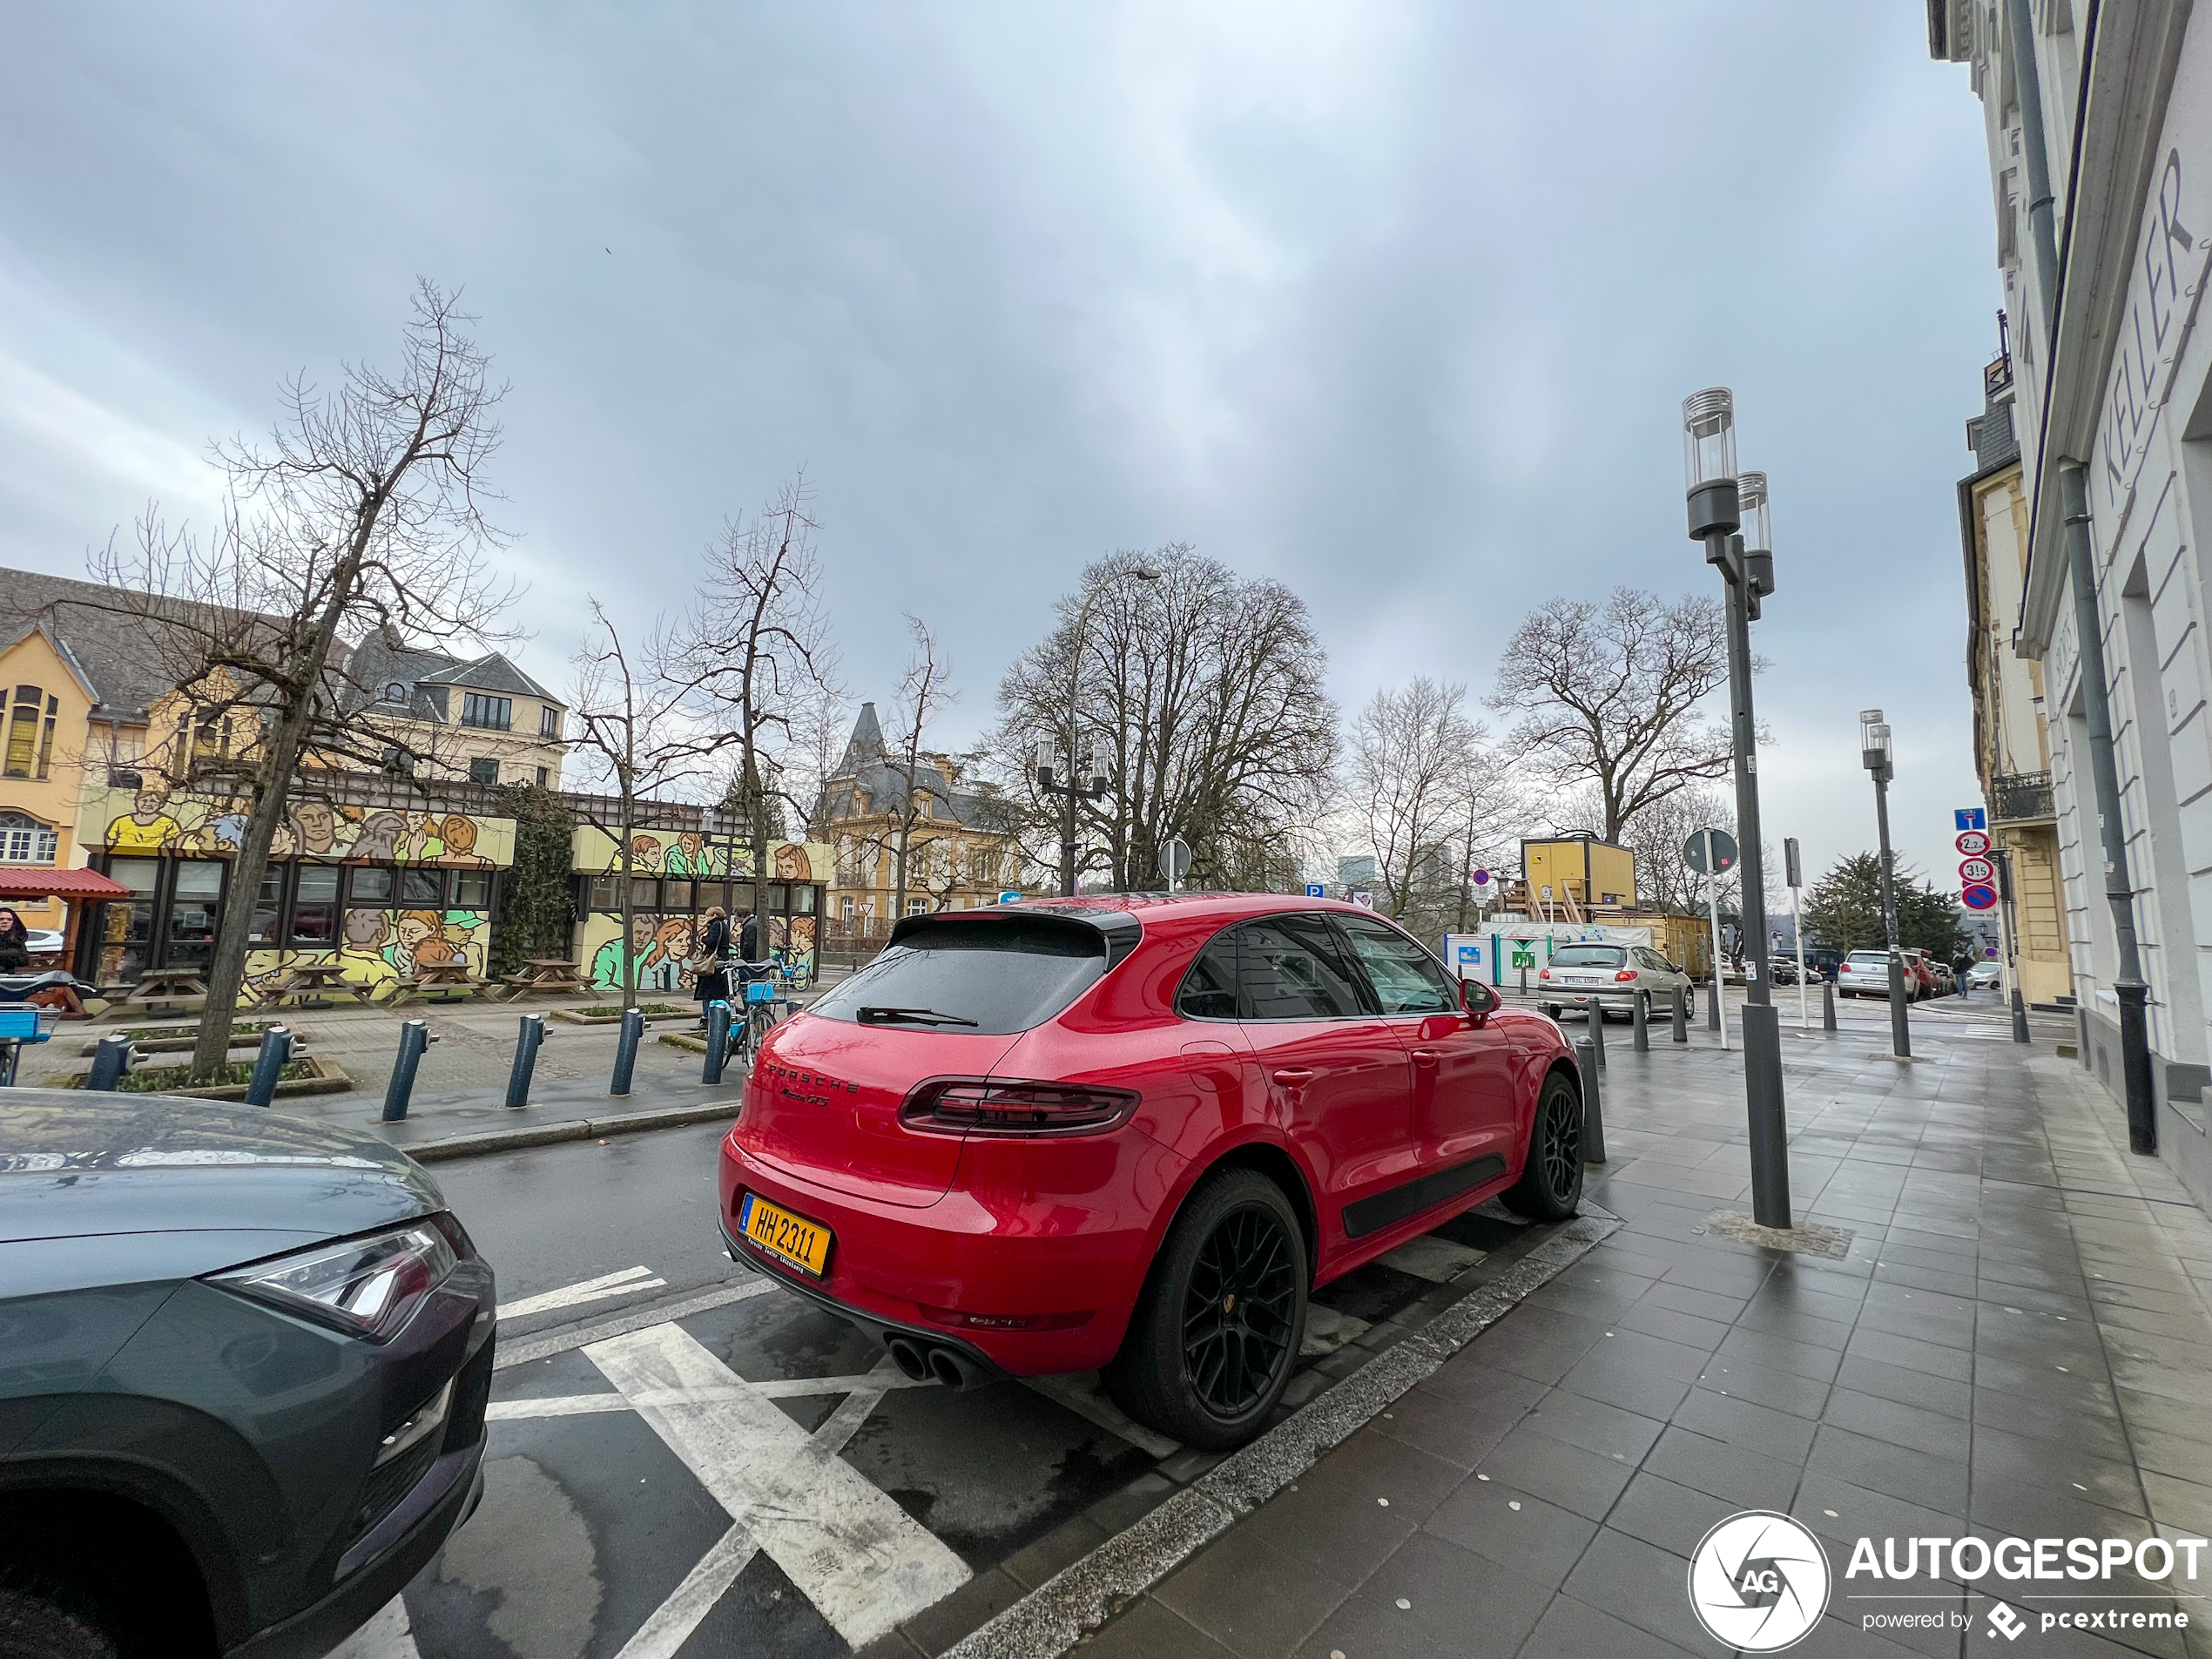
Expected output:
(675, 1480)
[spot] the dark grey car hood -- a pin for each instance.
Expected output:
(82, 1166)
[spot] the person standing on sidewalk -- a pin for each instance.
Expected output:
(711, 981)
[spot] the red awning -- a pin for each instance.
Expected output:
(37, 881)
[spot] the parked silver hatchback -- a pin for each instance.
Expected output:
(1607, 977)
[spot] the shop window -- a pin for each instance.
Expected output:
(314, 907)
(29, 750)
(194, 905)
(483, 770)
(778, 897)
(802, 900)
(675, 895)
(369, 887)
(604, 894)
(472, 889)
(24, 840)
(421, 889)
(268, 926)
(644, 893)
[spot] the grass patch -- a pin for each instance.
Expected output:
(605, 1013)
(151, 1033)
(156, 1080)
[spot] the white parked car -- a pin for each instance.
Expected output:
(1985, 977)
(44, 941)
(1608, 977)
(1866, 973)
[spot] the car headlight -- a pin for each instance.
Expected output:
(367, 1287)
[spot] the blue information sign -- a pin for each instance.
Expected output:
(1970, 817)
(1316, 890)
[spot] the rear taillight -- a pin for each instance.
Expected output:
(1625, 974)
(979, 1106)
(1544, 974)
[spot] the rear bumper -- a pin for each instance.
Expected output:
(980, 1250)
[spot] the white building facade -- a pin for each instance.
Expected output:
(2104, 264)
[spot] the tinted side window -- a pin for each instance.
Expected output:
(1209, 988)
(1406, 978)
(1292, 968)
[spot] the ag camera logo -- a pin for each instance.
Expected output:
(1758, 1581)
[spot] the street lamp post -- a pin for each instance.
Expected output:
(1874, 753)
(1721, 502)
(1079, 779)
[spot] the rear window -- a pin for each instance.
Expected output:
(1589, 957)
(1868, 959)
(992, 978)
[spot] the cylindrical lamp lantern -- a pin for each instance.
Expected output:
(1709, 460)
(1758, 531)
(1873, 740)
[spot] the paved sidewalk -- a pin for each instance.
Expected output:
(2017, 1343)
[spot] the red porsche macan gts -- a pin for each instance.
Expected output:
(1133, 1133)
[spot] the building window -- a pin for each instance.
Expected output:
(483, 770)
(845, 910)
(491, 713)
(31, 733)
(543, 777)
(917, 907)
(314, 907)
(24, 840)
(548, 722)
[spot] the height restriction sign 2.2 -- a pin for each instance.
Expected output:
(1972, 843)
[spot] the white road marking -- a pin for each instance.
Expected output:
(387, 1635)
(865, 1563)
(1437, 1260)
(626, 1283)
(1082, 1395)
(781, 1388)
(544, 1347)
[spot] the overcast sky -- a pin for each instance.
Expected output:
(1396, 303)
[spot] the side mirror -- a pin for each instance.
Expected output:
(1478, 999)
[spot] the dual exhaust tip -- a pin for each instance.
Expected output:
(923, 1361)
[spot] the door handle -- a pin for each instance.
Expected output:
(1293, 1076)
(1425, 1056)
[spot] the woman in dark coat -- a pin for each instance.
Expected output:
(15, 943)
(712, 984)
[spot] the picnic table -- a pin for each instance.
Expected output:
(316, 981)
(162, 986)
(554, 974)
(440, 982)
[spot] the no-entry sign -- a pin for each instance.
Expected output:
(1972, 843)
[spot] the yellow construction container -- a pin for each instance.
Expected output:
(1582, 867)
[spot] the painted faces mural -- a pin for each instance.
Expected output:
(152, 819)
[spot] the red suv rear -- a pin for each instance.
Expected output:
(1133, 1133)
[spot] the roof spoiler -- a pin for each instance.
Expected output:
(1118, 928)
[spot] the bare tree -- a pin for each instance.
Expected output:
(924, 689)
(1200, 696)
(1610, 698)
(632, 731)
(1416, 774)
(363, 510)
(755, 649)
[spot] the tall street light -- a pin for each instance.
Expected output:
(1721, 502)
(1077, 777)
(1874, 754)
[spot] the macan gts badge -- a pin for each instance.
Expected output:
(1131, 1135)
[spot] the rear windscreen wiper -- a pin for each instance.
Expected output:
(907, 1016)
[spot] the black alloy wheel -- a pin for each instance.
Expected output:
(1216, 1334)
(1551, 1182)
(1239, 1310)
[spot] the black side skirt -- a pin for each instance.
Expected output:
(1410, 1198)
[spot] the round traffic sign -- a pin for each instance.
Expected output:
(1977, 870)
(1989, 950)
(1175, 859)
(1481, 877)
(1724, 851)
(1979, 896)
(1972, 843)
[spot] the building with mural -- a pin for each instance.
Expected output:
(684, 860)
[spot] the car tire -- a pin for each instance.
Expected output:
(1551, 1181)
(1215, 1391)
(1550, 1010)
(49, 1618)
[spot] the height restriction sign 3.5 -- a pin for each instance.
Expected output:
(1972, 843)
(1973, 870)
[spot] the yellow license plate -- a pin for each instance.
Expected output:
(801, 1243)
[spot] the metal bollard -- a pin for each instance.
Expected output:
(1642, 1010)
(1593, 1106)
(2019, 1016)
(717, 1041)
(633, 1030)
(110, 1064)
(526, 1044)
(1682, 1014)
(268, 1065)
(1713, 1003)
(1828, 1005)
(1597, 1031)
(415, 1037)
